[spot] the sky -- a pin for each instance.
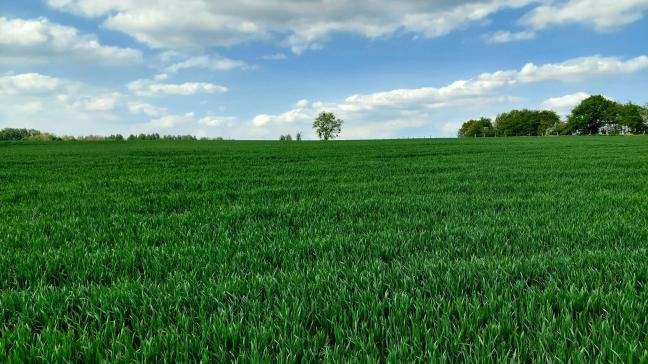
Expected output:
(256, 69)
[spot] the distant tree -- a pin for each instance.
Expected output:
(93, 138)
(298, 136)
(594, 115)
(17, 134)
(473, 128)
(526, 122)
(327, 126)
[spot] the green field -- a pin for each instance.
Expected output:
(502, 249)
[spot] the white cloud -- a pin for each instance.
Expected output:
(146, 109)
(565, 103)
(28, 83)
(375, 110)
(290, 116)
(507, 37)
(67, 107)
(41, 41)
(302, 25)
(602, 15)
(99, 103)
(212, 63)
(582, 68)
(297, 24)
(217, 120)
(170, 121)
(487, 83)
(57, 105)
(145, 87)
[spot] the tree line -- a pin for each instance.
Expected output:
(16, 134)
(326, 125)
(594, 115)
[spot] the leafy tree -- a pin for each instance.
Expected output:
(327, 125)
(594, 114)
(17, 134)
(632, 118)
(472, 128)
(526, 122)
(298, 136)
(643, 112)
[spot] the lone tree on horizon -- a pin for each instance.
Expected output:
(327, 125)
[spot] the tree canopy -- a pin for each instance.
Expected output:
(478, 127)
(592, 115)
(17, 134)
(632, 117)
(327, 125)
(526, 122)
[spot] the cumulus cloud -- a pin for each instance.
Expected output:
(146, 109)
(104, 102)
(563, 104)
(297, 24)
(217, 120)
(28, 83)
(41, 41)
(602, 15)
(389, 107)
(487, 83)
(59, 105)
(144, 87)
(63, 106)
(170, 121)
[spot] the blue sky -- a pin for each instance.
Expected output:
(256, 69)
